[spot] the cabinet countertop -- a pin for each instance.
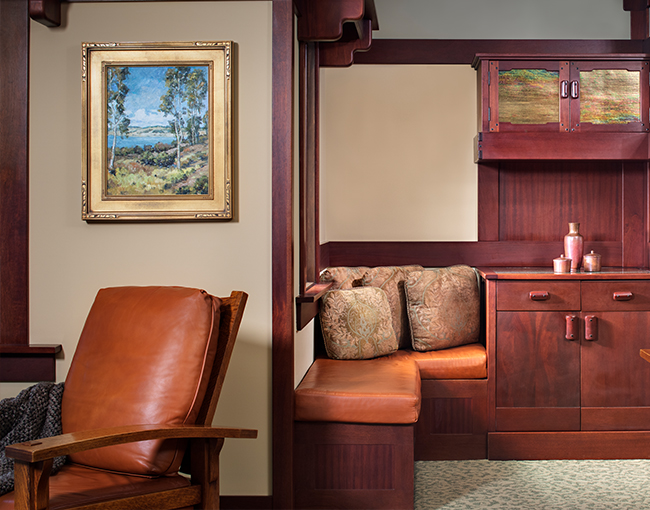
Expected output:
(546, 273)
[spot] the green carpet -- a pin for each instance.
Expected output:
(544, 484)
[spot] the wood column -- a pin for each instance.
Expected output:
(14, 182)
(282, 253)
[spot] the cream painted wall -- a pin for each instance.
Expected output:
(396, 153)
(502, 19)
(70, 259)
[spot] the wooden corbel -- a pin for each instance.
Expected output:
(46, 12)
(320, 21)
(341, 53)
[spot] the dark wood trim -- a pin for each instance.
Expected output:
(558, 145)
(568, 445)
(462, 51)
(246, 502)
(441, 254)
(282, 253)
(14, 179)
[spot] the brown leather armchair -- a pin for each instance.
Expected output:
(143, 384)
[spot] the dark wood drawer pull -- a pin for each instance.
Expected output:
(623, 296)
(571, 327)
(591, 327)
(538, 295)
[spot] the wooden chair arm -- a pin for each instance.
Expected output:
(65, 444)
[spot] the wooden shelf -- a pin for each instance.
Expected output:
(28, 363)
(561, 146)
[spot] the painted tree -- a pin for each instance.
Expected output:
(117, 121)
(173, 104)
(196, 93)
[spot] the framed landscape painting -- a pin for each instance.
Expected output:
(157, 129)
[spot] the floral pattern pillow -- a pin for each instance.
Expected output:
(443, 307)
(391, 280)
(357, 324)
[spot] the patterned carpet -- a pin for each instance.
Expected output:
(557, 484)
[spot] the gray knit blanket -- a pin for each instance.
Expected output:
(34, 414)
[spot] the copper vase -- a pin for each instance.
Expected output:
(574, 246)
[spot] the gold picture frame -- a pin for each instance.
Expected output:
(157, 131)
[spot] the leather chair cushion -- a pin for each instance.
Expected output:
(382, 390)
(77, 485)
(462, 362)
(144, 357)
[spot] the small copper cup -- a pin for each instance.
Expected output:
(562, 264)
(591, 262)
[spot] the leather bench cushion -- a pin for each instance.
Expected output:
(462, 362)
(382, 390)
(77, 485)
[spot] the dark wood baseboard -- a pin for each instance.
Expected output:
(568, 445)
(246, 502)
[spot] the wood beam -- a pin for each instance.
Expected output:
(462, 51)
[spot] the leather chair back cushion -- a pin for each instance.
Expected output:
(144, 357)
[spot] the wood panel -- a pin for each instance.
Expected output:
(453, 420)
(344, 465)
(613, 374)
(282, 253)
(537, 204)
(536, 365)
(440, 254)
(537, 418)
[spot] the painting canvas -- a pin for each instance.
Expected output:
(157, 131)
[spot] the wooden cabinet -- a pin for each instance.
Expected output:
(566, 353)
(568, 95)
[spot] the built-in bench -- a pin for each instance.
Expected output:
(361, 423)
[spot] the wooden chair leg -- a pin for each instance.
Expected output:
(205, 470)
(32, 485)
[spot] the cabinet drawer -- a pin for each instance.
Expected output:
(616, 295)
(538, 295)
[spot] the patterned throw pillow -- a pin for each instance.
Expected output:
(443, 307)
(343, 277)
(391, 280)
(357, 324)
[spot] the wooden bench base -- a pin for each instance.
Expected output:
(453, 420)
(355, 466)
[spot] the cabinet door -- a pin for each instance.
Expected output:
(527, 95)
(615, 379)
(537, 372)
(609, 96)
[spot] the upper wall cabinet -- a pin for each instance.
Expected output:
(590, 95)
